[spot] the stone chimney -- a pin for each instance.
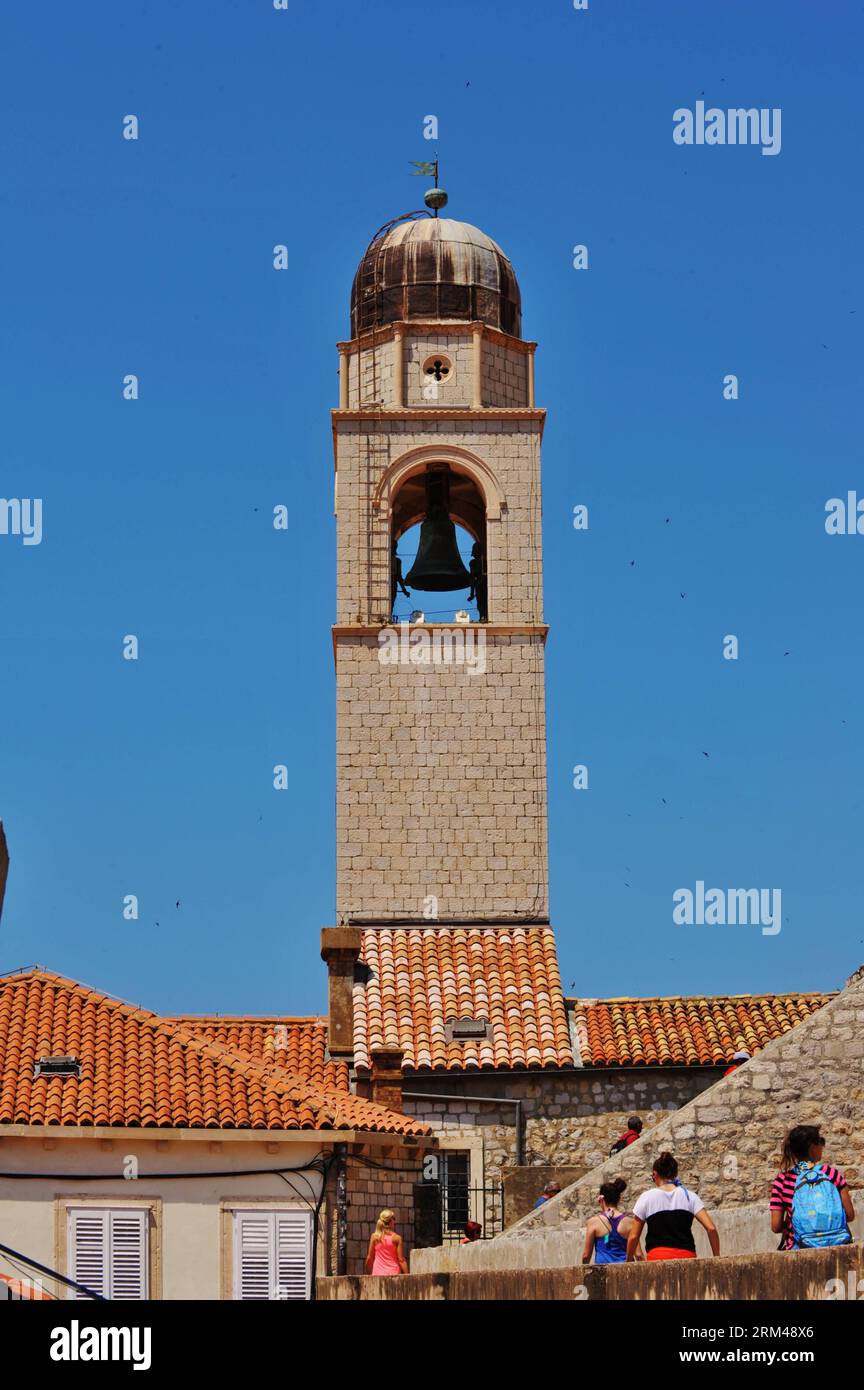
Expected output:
(340, 948)
(4, 865)
(386, 1088)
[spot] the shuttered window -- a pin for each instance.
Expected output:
(272, 1254)
(108, 1249)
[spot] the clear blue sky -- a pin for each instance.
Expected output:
(155, 257)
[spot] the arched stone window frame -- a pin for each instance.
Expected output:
(415, 461)
(461, 460)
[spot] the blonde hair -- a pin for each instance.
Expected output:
(384, 1219)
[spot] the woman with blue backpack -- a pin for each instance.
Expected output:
(811, 1206)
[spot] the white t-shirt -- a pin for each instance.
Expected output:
(668, 1217)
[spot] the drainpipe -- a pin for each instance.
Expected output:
(340, 1152)
(481, 1100)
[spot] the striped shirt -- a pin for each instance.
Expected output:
(783, 1190)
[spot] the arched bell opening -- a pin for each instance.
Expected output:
(438, 545)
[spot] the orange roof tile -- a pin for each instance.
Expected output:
(297, 1045)
(684, 1031)
(138, 1069)
(422, 977)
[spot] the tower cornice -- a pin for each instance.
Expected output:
(426, 415)
(490, 630)
(456, 328)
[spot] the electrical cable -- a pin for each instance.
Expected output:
(316, 1164)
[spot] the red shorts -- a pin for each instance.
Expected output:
(667, 1252)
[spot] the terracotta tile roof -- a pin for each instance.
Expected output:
(422, 977)
(297, 1045)
(138, 1069)
(684, 1031)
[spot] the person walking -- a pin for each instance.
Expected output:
(668, 1209)
(385, 1254)
(606, 1233)
(550, 1190)
(811, 1205)
(630, 1135)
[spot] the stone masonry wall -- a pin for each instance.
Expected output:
(505, 375)
(441, 783)
(504, 370)
(370, 375)
(727, 1143)
(570, 1118)
(456, 388)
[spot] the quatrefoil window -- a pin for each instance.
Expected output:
(438, 368)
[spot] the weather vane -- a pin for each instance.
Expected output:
(434, 197)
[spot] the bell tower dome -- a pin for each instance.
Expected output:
(441, 742)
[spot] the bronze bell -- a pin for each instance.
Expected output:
(438, 565)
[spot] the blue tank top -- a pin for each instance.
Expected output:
(611, 1249)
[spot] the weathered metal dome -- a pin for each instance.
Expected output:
(435, 268)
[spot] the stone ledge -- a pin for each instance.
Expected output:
(805, 1275)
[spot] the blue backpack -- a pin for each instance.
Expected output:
(818, 1218)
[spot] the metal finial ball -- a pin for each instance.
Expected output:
(435, 198)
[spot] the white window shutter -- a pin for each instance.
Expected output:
(293, 1254)
(108, 1251)
(254, 1255)
(128, 1232)
(272, 1255)
(88, 1250)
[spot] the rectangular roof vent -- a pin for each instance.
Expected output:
(463, 1029)
(57, 1066)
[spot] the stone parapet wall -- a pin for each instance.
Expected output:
(806, 1276)
(743, 1231)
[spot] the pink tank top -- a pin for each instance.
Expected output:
(385, 1261)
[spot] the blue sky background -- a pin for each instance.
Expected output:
(155, 257)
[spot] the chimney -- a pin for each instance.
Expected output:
(4, 865)
(340, 948)
(387, 1077)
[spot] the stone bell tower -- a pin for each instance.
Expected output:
(441, 758)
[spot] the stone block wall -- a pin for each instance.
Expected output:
(503, 367)
(370, 375)
(570, 1118)
(441, 783)
(505, 374)
(457, 387)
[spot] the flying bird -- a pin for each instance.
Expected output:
(705, 755)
